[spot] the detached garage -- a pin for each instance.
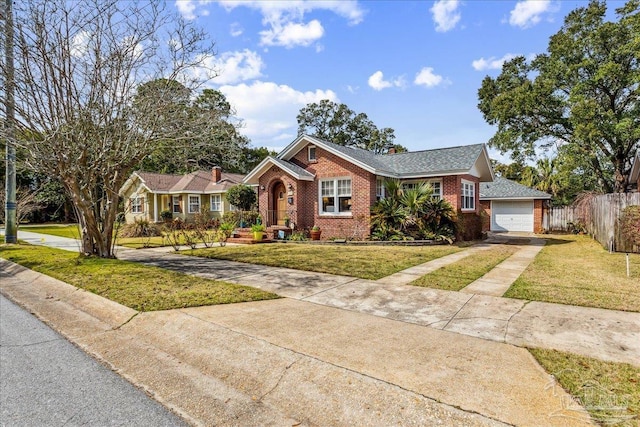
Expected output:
(511, 206)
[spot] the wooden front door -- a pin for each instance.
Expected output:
(280, 203)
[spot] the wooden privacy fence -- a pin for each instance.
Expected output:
(599, 215)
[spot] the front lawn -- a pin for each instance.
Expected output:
(71, 231)
(456, 276)
(140, 287)
(363, 261)
(609, 391)
(576, 270)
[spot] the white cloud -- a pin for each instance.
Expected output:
(187, 8)
(445, 14)
(269, 110)
(236, 29)
(292, 34)
(285, 21)
(426, 77)
(229, 67)
(80, 43)
(238, 66)
(491, 63)
(377, 81)
(527, 13)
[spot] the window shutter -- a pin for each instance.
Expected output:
(141, 204)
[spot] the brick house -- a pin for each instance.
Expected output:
(147, 194)
(315, 182)
(509, 206)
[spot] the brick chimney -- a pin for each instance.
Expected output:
(216, 173)
(392, 150)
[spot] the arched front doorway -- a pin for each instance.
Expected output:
(279, 203)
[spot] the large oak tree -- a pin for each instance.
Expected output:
(339, 124)
(582, 96)
(79, 65)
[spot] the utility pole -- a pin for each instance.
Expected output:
(10, 221)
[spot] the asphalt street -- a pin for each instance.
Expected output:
(47, 381)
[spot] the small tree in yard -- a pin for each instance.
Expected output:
(242, 196)
(81, 115)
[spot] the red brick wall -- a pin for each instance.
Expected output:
(470, 221)
(363, 195)
(485, 215)
(538, 206)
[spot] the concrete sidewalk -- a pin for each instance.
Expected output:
(288, 362)
(604, 334)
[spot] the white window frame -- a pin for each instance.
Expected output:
(336, 196)
(315, 153)
(435, 196)
(191, 211)
(467, 193)
(136, 204)
(175, 202)
(380, 190)
(217, 207)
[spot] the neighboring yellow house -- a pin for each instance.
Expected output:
(147, 194)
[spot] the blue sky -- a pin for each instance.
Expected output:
(414, 66)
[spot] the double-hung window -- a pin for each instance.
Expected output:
(335, 196)
(216, 203)
(468, 196)
(194, 203)
(436, 186)
(175, 203)
(379, 189)
(137, 204)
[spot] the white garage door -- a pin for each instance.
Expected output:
(512, 215)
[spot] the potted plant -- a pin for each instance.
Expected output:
(315, 232)
(287, 221)
(258, 231)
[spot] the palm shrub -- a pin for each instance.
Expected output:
(412, 214)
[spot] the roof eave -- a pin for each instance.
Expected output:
(547, 197)
(253, 176)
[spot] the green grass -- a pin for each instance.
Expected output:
(70, 231)
(597, 384)
(363, 261)
(140, 287)
(456, 276)
(576, 270)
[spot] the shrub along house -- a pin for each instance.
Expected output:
(147, 194)
(315, 182)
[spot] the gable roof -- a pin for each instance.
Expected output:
(635, 169)
(291, 168)
(472, 159)
(502, 188)
(194, 182)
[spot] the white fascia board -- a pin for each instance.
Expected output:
(635, 169)
(265, 164)
(515, 198)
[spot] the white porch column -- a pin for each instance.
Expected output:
(155, 207)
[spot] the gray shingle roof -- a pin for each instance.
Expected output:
(502, 188)
(441, 160)
(292, 167)
(426, 162)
